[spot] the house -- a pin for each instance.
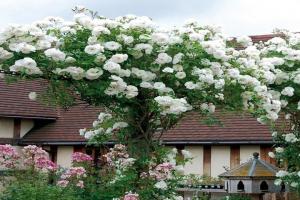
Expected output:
(214, 147)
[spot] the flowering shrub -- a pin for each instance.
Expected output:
(79, 157)
(37, 158)
(9, 157)
(72, 175)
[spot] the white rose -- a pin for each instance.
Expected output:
(288, 91)
(100, 29)
(32, 96)
(294, 184)
(112, 46)
(82, 131)
(190, 85)
(180, 169)
(131, 91)
(70, 59)
(163, 58)
(55, 54)
(282, 173)
(279, 149)
(290, 138)
(25, 48)
(119, 58)
(93, 73)
(177, 58)
(160, 38)
(161, 185)
(94, 49)
(186, 154)
(100, 58)
(168, 70)
(145, 84)
(278, 182)
(180, 75)
(159, 85)
(112, 66)
(271, 155)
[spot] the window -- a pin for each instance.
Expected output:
(282, 188)
(264, 186)
(226, 186)
(240, 187)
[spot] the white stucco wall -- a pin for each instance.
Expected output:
(220, 157)
(64, 154)
(6, 128)
(246, 152)
(196, 166)
(26, 125)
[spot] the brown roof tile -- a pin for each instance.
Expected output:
(14, 100)
(235, 127)
(66, 127)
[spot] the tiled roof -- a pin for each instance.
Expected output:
(234, 128)
(14, 101)
(63, 125)
(66, 127)
(263, 38)
(254, 168)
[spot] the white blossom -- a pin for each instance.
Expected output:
(161, 185)
(180, 75)
(94, 49)
(55, 54)
(112, 45)
(119, 58)
(282, 173)
(288, 91)
(27, 65)
(168, 70)
(32, 96)
(93, 73)
(186, 154)
(163, 58)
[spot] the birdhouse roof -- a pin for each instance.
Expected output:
(254, 168)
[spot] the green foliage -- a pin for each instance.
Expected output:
(37, 190)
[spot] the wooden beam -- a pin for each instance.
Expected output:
(207, 160)
(17, 128)
(234, 156)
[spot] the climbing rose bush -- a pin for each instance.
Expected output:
(279, 61)
(141, 73)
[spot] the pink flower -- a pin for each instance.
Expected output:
(73, 176)
(38, 158)
(131, 196)
(63, 183)
(45, 163)
(8, 156)
(81, 157)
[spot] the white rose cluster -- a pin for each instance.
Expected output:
(171, 105)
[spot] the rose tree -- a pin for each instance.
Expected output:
(143, 76)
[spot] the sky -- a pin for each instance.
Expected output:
(236, 17)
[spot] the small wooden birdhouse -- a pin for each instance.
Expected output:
(255, 176)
